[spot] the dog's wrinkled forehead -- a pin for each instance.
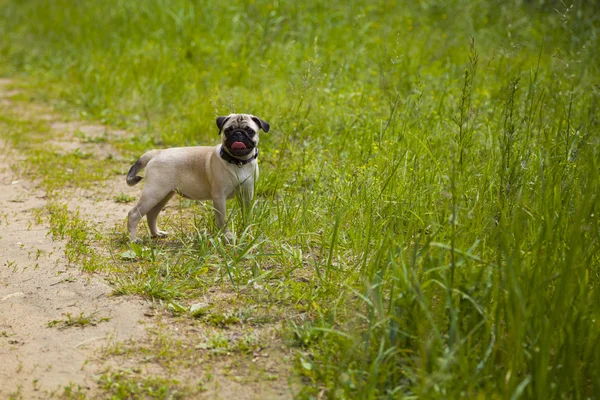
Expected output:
(241, 121)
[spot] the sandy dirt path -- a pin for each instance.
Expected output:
(37, 287)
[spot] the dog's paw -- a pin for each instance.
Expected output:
(160, 234)
(228, 236)
(136, 240)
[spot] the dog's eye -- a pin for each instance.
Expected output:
(250, 132)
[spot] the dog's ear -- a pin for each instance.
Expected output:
(264, 125)
(220, 122)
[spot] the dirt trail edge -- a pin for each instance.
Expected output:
(39, 353)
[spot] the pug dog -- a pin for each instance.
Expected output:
(199, 173)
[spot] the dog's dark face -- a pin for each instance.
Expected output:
(240, 133)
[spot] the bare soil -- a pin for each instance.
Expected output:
(36, 288)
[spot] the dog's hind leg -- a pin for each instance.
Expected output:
(153, 216)
(143, 207)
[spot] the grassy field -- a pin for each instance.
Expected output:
(426, 224)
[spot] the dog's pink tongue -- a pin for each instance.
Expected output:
(238, 145)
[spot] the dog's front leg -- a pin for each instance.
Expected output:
(246, 194)
(219, 204)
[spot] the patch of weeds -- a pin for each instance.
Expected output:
(64, 224)
(138, 251)
(152, 286)
(16, 395)
(81, 321)
(78, 153)
(217, 343)
(76, 169)
(23, 132)
(222, 320)
(90, 139)
(304, 335)
(248, 344)
(39, 215)
(68, 279)
(128, 384)
(123, 198)
(198, 310)
(69, 226)
(128, 255)
(257, 315)
(11, 264)
(73, 392)
(161, 348)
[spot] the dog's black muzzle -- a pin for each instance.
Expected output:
(239, 142)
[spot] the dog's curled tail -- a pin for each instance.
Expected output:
(139, 165)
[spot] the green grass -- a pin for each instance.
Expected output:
(128, 384)
(80, 321)
(426, 221)
(124, 198)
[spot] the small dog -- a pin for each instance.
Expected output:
(199, 173)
